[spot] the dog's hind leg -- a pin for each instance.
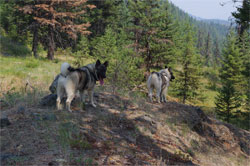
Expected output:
(69, 100)
(60, 93)
(58, 103)
(158, 94)
(150, 93)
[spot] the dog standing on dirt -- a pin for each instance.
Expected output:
(72, 80)
(160, 81)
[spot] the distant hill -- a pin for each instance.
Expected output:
(216, 28)
(216, 21)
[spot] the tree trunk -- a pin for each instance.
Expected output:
(51, 44)
(35, 42)
(185, 85)
(148, 58)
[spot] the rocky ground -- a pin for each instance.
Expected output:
(120, 131)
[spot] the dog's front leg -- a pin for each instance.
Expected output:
(158, 95)
(162, 98)
(91, 97)
(164, 95)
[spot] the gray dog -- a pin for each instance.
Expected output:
(72, 80)
(160, 81)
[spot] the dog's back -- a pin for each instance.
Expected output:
(154, 80)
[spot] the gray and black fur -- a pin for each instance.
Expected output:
(160, 81)
(81, 79)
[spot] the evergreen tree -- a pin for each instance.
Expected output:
(245, 56)
(188, 80)
(13, 22)
(82, 52)
(122, 71)
(242, 17)
(151, 31)
(107, 12)
(216, 53)
(54, 17)
(229, 97)
(208, 49)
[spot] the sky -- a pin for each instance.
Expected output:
(207, 9)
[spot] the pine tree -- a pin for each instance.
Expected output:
(216, 52)
(229, 97)
(245, 56)
(56, 17)
(188, 80)
(107, 12)
(242, 17)
(208, 49)
(122, 71)
(82, 52)
(151, 31)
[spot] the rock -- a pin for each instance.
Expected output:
(4, 122)
(58, 162)
(49, 100)
(53, 163)
(21, 110)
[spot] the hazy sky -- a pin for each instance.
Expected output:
(208, 9)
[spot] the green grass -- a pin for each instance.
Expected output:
(16, 71)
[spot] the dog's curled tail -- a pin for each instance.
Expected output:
(66, 68)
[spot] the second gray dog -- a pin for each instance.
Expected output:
(159, 81)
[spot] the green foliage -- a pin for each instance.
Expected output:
(152, 32)
(82, 52)
(229, 98)
(245, 56)
(122, 70)
(12, 48)
(242, 17)
(216, 28)
(212, 74)
(187, 82)
(107, 13)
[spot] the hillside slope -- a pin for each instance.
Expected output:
(120, 131)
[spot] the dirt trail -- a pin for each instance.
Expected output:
(120, 131)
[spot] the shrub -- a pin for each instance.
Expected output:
(12, 48)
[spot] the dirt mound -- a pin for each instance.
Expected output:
(120, 131)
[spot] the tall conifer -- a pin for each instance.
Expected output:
(229, 97)
(188, 80)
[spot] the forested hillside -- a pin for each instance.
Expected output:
(210, 34)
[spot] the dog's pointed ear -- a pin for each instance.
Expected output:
(106, 63)
(170, 69)
(98, 63)
(166, 67)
